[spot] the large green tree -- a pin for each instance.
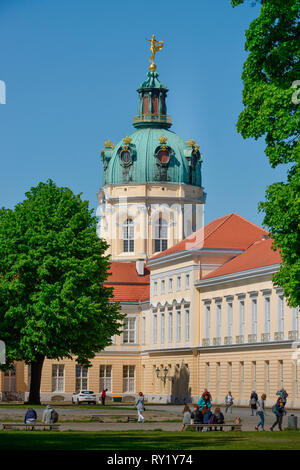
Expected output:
(271, 77)
(53, 303)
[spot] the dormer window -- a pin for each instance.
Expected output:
(163, 156)
(126, 157)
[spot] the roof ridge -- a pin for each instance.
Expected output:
(226, 217)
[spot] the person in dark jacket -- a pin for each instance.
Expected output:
(30, 418)
(253, 402)
(279, 412)
(219, 418)
(103, 396)
(197, 416)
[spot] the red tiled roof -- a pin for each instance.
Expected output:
(128, 285)
(228, 232)
(259, 254)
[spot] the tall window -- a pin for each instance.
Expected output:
(187, 281)
(128, 236)
(170, 327)
(280, 314)
(178, 282)
(295, 318)
(128, 379)
(170, 284)
(58, 377)
(155, 288)
(143, 330)
(242, 317)
(105, 378)
(207, 321)
(178, 325)
(218, 320)
(155, 328)
(129, 330)
(187, 324)
(162, 327)
(162, 286)
(81, 378)
(229, 319)
(267, 317)
(254, 316)
(161, 235)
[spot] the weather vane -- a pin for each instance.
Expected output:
(154, 48)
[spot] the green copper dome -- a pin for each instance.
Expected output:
(152, 153)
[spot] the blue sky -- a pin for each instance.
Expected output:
(72, 67)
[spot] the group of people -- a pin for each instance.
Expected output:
(202, 414)
(258, 405)
(50, 416)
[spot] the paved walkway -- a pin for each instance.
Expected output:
(156, 417)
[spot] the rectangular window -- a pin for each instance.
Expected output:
(242, 317)
(178, 283)
(254, 316)
(162, 286)
(129, 330)
(128, 379)
(207, 321)
(170, 327)
(105, 378)
(187, 281)
(267, 318)
(155, 328)
(229, 318)
(81, 378)
(143, 330)
(218, 320)
(280, 314)
(295, 316)
(187, 324)
(58, 377)
(162, 328)
(155, 288)
(178, 325)
(170, 284)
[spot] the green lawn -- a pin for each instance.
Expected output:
(149, 440)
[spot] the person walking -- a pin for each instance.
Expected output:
(186, 417)
(253, 402)
(140, 407)
(278, 409)
(261, 411)
(228, 402)
(103, 396)
(30, 418)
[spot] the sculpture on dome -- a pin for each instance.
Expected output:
(154, 48)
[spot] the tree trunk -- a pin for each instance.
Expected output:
(35, 381)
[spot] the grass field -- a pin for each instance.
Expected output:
(149, 440)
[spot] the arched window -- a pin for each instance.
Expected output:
(128, 236)
(161, 235)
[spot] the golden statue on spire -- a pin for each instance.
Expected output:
(154, 48)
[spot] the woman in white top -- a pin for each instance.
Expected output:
(228, 402)
(261, 411)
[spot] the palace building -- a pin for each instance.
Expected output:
(201, 308)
